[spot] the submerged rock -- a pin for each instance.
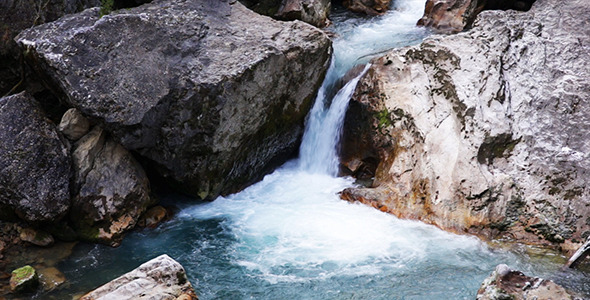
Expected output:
(35, 165)
(112, 189)
(486, 131)
(505, 283)
(211, 94)
(36, 237)
(24, 280)
(160, 278)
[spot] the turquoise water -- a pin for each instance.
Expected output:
(291, 237)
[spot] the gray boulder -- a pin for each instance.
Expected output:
(314, 12)
(486, 131)
(160, 278)
(112, 189)
(35, 167)
(212, 94)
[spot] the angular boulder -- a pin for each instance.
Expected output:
(73, 124)
(35, 166)
(24, 279)
(505, 283)
(314, 12)
(211, 94)
(486, 131)
(160, 278)
(17, 15)
(112, 189)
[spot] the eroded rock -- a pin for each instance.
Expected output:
(314, 12)
(486, 131)
(24, 279)
(112, 189)
(35, 165)
(505, 283)
(215, 103)
(73, 124)
(36, 237)
(160, 278)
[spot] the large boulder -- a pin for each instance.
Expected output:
(486, 131)
(505, 283)
(211, 94)
(369, 7)
(112, 190)
(160, 278)
(314, 12)
(35, 166)
(17, 15)
(452, 16)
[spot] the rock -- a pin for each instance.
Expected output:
(314, 12)
(34, 162)
(485, 131)
(160, 278)
(218, 101)
(51, 278)
(24, 279)
(505, 283)
(112, 189)
(36, 237)
(73, 124)
(578, 256)
(17, 15)
(369, 7)
(153, 216)
(451, 16)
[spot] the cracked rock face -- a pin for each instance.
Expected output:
(211, 94)
(35, 165)
(486, 131)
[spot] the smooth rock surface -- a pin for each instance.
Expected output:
(160, 278)
(112, 189)
(505, 283)
(486, 131)
(35, 165)
(212, 94)
(36, 237)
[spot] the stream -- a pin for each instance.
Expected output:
(290, 236)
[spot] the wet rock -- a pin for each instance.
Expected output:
(196, 104)
(485, 131)
(24, 280)
(36, 237)
(505, 283)
(112, 189)
(369, 7)
(579, 256)
(34, 162)
(50, 278)
(314, 12)
(73, 124)
(159, 278)
(153, 216)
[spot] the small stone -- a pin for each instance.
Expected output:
(73, 124)
(36, 237)
(24, 280)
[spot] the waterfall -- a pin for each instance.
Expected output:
(318, 152)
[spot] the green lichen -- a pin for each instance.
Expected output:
(24, 279)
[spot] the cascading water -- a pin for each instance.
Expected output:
(290, 236)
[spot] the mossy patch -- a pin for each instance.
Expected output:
(24, 279)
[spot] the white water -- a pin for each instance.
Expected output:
(291, 237)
